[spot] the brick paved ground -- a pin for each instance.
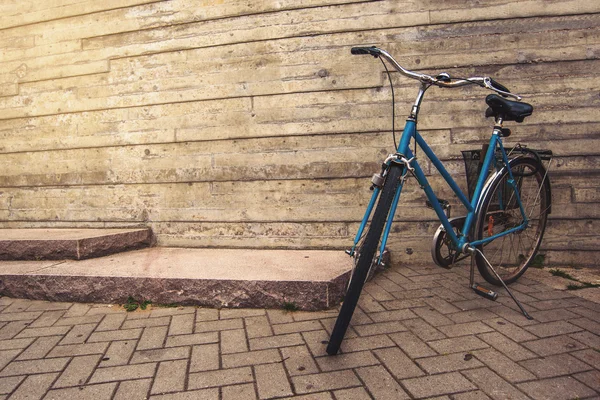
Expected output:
(419, 333)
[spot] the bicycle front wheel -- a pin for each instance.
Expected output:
(512, 254)
(367, 251)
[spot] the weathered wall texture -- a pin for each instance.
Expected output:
(243, 123)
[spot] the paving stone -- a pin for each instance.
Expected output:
(503, 365)
(557, 365)
(79, 334)
(222, 325)
(554, 345)
(45, 331)
(133, 390)
(111, 322)
(402, 304)
(233, 341)
(316, 342)
(239, 392)
(182, 324)
(34, 366)
(380, 328)
(552, 329)
(436, 385)
(109, 336)
(102, 391)
(207, 314)
(587, 324)
(346, 361)
(47, 318)
(170, 377)
(423, 330)
(479, 314)
(448, 363)
(325, 381)
(590, 378)
(512, 315)
(204, 394)
(77, 310)
(458, 344)
(493, 385)
(79, 320)
(412, 345)
(280, 316)
(396, 315)
(78, 371)
(398, 363)
(366, 343)
(272, 381)
(118, 353)
(34, 387)
(474, 395)
(556, 388)
(271, 342)
(312, 396)
(78, 350)
(230, 313)
(589, 356)
(380, 383)
(467, 328)
(196, 338)
(250, 358)
(590, 313)
(172, 311)
(153, 338)
(9, 384)
(40, 348)
(145, 323)
(432, 317)
(587, 338)
(39, 305)
(12, 329)
(553, 315)
(168, 354)
(260, 326)
(368, 304)
(205, 357)
(298, 360)
(442, 306)
(11, 344)
(512, 350)
(292, 327)
(221, 377)
(352, 394)
(123, 373)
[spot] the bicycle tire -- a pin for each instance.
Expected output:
(512, 254)
(365, 258)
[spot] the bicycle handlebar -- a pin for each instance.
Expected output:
(442, 80)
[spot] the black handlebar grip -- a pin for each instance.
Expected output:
(374, 51)
(499, 86)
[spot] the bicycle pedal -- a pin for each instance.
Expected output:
(484, 292)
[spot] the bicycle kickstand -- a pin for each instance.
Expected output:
(486, 292)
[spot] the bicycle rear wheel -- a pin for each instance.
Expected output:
(512, 254)
(365, 258)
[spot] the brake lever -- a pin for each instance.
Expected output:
(487, 82)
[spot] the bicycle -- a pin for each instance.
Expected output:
(510, 199)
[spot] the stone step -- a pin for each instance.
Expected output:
(307, 279)
(74, 244)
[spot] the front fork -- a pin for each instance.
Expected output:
(378, 181)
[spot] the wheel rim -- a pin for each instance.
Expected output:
(511, 254)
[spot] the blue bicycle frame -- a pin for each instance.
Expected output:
(410, 132)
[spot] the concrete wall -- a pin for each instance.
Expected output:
(248, 123)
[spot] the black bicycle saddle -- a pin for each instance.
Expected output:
(506, 109)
